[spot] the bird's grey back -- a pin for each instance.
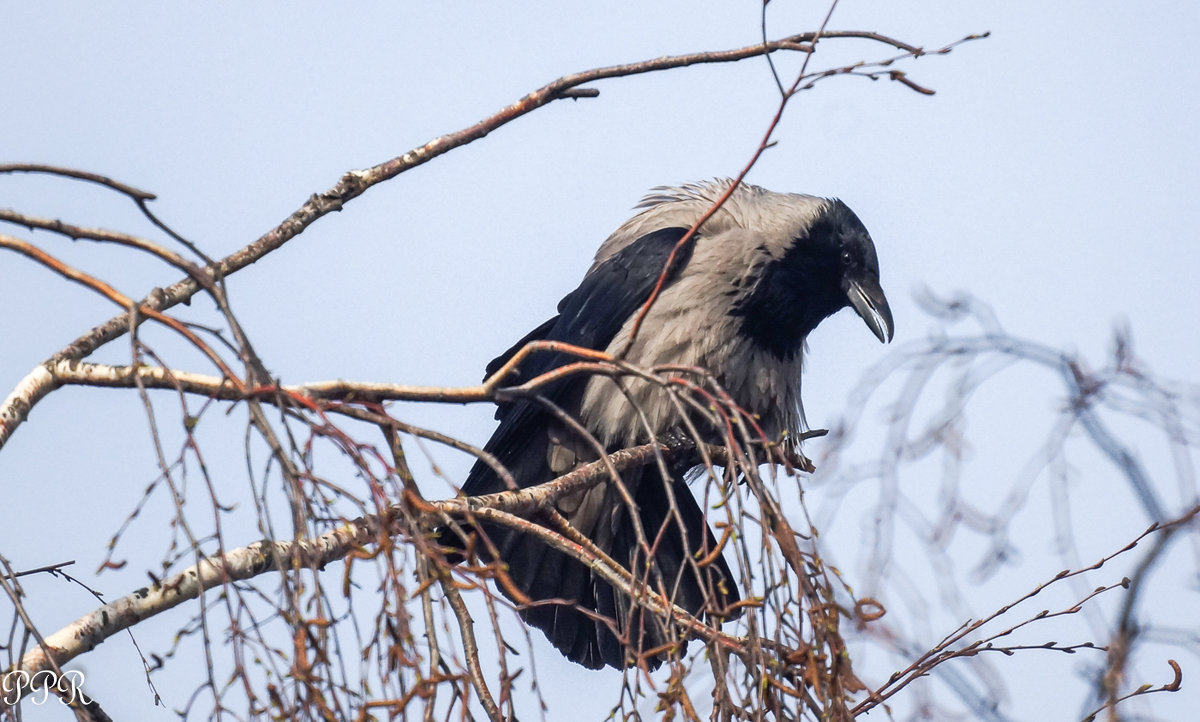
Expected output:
(749, 207)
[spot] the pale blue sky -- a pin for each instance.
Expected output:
(1054, 175)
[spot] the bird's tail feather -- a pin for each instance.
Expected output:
(580, 613)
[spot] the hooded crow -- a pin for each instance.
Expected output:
(739, 301)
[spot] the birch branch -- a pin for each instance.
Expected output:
(89, 631)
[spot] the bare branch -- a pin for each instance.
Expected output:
(105, 181)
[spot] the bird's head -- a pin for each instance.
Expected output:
(822, 260)
(859, 270)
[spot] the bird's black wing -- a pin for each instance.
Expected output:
(590, 316)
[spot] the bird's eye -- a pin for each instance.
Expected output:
(847, 259)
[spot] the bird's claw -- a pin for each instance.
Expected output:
(677, 441)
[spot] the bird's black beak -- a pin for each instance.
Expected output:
(866, 296)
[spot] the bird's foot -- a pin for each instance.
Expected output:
(678, 443)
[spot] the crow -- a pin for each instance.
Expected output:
(739, 301)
